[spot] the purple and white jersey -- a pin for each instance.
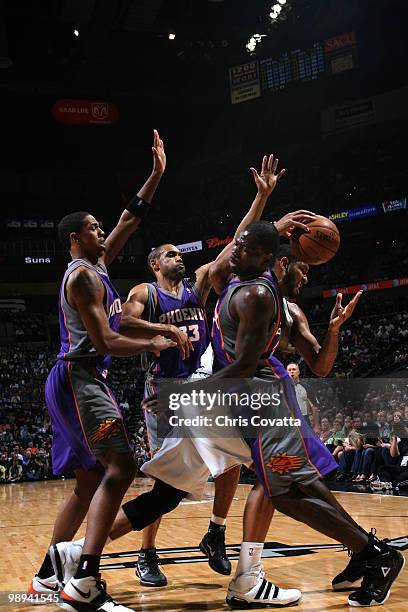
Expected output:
(225, 329)
(186, 311)
(75, 342)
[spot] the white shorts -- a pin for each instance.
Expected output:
(186, 463)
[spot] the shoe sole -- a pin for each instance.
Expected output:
(355, 604)
(57, 564)
(144, 582)
(211, 564)
(236, 603)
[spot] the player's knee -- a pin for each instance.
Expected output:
(148, 507)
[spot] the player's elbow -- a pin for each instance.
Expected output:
(215, 277)
(105, 344)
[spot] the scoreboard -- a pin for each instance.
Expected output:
(297, 65)
(323, 58)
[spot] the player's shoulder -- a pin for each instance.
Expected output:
(295, 310)
(139, 292)
(85, 279)
(255, 294)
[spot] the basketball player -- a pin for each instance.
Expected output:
(89, 436)
(181, 302)
(174, 456)
(375, 588)
(246, 314)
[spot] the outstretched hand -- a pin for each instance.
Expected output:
(294, 220)
(159, 155)
(341, 313)
(266, 181)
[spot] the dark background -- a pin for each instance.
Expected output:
(181, 87)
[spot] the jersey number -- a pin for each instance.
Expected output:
(192, 331)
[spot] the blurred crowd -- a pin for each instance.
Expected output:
(350, 411)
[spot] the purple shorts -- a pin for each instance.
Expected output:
(290, 455)
(85, 417)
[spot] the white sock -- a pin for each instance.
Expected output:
(218, 520)
(249, 565)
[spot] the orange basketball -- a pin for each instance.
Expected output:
(319, 245)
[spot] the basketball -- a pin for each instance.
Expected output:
(318, 246)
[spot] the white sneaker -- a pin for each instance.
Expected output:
(65, 558)
(262, 595)
(83, 594)
(42, 588)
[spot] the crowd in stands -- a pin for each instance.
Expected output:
(362, 425)
(370, 444)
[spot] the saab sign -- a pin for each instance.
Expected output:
(354, 213)
(85, 112)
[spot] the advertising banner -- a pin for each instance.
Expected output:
(373, 286)
(353, 213)
(189, 247)
(244, 82)
(85, 112)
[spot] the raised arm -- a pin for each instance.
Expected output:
(134, 326)
(86, 293)
(320, 359)
(129, 220)
(219, 270)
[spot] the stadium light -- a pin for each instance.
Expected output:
(76, 33)
(253, 41)
(172, 36)
(279, 10)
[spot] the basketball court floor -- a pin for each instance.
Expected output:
(294, 556)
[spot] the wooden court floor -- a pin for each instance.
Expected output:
(28, 511)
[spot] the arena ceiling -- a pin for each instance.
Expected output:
(124, 43)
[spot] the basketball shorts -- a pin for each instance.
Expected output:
(280, 455)
(85, 418)
(186, 463)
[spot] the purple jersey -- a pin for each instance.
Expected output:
(75, 342)
(186, 311)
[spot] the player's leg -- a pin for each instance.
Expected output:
(74, 510)
(312, 504)
(147, 565)
(67, 523)
(104, 438)
(213, 542)
(249, 588)
(69, 454)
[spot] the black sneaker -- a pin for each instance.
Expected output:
(354, 571)
(381, 571)
(147, 568)
(213, 546)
